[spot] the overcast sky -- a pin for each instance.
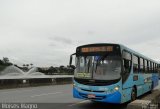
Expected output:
(46, 32)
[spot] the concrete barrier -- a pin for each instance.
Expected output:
(150, 101)
(27, 82)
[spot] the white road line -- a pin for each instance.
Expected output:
(84, 101)
(44, 94)
(18, 90)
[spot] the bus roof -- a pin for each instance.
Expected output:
(124, 47)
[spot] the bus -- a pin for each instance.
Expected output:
(112, 73)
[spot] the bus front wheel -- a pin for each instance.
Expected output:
(133, 94)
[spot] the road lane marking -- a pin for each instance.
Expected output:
(19, 91)
(84, 101)
(44, 94)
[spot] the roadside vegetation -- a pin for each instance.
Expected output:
(61, 70)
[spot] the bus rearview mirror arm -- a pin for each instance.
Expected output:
(71, 57)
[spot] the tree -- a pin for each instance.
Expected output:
(31, 64)
(1, 62)
(61, 69)
(27, 65)
(24, 65)
(5, 60)
(52, 70)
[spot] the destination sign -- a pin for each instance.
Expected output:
(97, 49)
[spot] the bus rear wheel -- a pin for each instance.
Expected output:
(133, 94)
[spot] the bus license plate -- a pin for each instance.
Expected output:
(91, 96)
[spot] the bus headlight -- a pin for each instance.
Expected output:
(116, 88)
(74, 85)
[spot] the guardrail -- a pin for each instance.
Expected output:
(35, 77)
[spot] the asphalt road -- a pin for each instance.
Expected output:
(52, 97)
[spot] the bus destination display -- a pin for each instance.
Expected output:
(97, 49)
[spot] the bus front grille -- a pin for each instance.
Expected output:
(93, 91)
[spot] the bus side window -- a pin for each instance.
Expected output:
(135, 64)
(126, 64)
(148, 66)
(145, 66)
(141, 65)
(156, 70)
(151, 67)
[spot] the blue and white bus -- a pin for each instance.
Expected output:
(112, 73)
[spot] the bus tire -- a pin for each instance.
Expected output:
(133, 94)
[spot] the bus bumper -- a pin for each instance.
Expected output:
(114, 97)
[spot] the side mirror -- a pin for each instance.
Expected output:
(70, 61)
(71, 58)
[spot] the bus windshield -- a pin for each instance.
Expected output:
(98, 67)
